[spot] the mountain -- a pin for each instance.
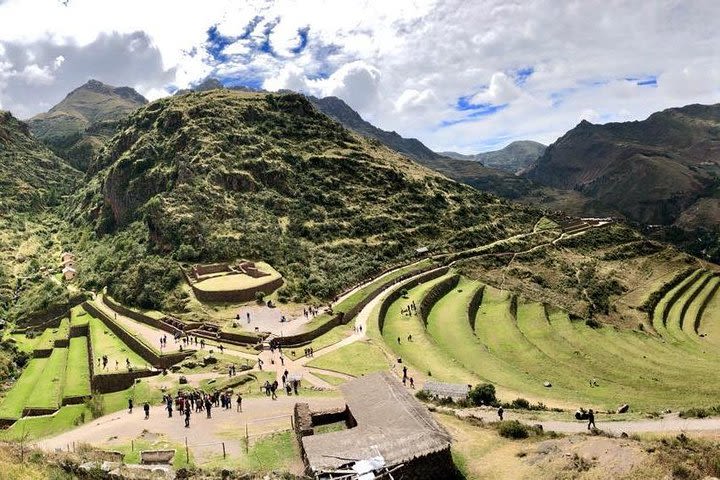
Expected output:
(33, 180)
(31, 176)
(512, 159)
(337, 109)
(225, 174)
(84, 120)
(662, 170)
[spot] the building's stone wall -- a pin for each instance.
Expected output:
(236, 296)
(115, 382)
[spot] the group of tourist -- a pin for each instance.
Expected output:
(309, 352)
(289, 385)
(406, 379)
(187, 402)
(410, 310)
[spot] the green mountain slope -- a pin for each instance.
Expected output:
(33, 181)
(84, 120)
(513, 158)
(657, 171)
(225, 174)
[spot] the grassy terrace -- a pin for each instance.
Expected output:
(105, 342)
(77, 382)
(78, 316)
(47, 392)
(235, 281)
(359, 295)
(359, 358)
(14, 403)
(423, 353)
(694, 309)
(49, 335)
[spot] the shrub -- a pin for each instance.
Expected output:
(259, 297)
(483, 394)
(592, 323)
(520, 403)
(514, 430)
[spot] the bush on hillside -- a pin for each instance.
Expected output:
(483, 394)
(514, 430)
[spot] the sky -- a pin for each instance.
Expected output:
(460, 75)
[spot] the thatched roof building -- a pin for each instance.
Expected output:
(388, 422)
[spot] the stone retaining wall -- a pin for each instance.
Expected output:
(115, 382)
(236, 296)
(474, 306)
(703, 307)
(161, 361)
(396, 294)
(437, 291)
(138, 316)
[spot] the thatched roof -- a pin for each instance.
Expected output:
(390, 423)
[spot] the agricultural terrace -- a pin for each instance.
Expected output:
(231, 280)
(476, 333)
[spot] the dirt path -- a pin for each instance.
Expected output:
(261, 415)
(670, 423)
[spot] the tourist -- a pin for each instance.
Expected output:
(230, 371)
(146, 408)
(282, 360)
(239, 402)
(208, 407)
(273, 390)
(169, 406)
(404, 372)
(221, 348)
(500, 412)
(288, 388)
(187, 417)
(127, 363)
(130, 405)
(295, 385)
(398, 340)
(410, 338)
(591, 419)
(202, 343)
(412, 383)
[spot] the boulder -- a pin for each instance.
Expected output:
(623, 408)
(183, 380)
(189, 364)
(209, 360)
(547, 384)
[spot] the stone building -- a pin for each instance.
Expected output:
(389, 432)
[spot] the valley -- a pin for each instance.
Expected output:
(226, 239)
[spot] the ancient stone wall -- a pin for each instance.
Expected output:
(437, 291)
(139, 317)
(236, 296)
(161, 361)
(397, 293)
(115, 382)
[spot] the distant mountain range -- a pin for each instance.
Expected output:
(661, 170)
(514, 158)
(84, 120)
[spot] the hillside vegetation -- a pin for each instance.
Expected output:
(78, 126)
(225, 174)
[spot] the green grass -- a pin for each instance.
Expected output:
(32, 428)
(359, 295)
(23, 343)
(238, 281)
(271, 453)
(423, 353)
(105, 342)
(78, 316)
(16, 399)
(332, 380)
(359, 358)
(78, 371)
(47, 392)
(140, 392)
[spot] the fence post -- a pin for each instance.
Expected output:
(187, 452)
(247, 439)
(223, 444)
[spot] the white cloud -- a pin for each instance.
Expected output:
(502, 89)
(403, 64)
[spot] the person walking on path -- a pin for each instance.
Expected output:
(239, 402)
(412, 383)
(591, 419)
(130, 405)
(500, 412)
(169, 406)
(208, 407)
(187, 416)
(146, 407)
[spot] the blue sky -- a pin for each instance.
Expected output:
(464, 76)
